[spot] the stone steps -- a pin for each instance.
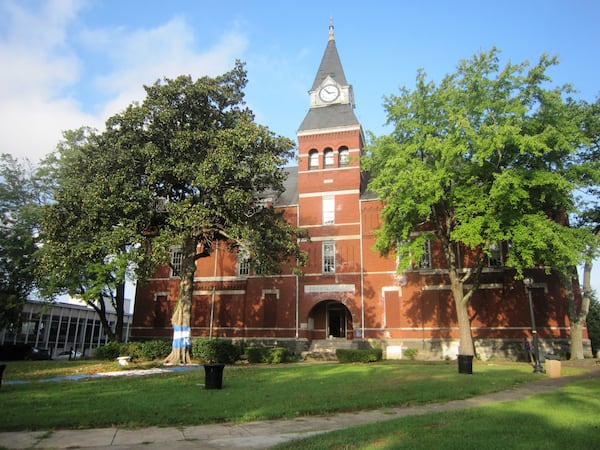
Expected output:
(324, 349)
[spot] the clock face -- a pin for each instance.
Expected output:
(329, 93)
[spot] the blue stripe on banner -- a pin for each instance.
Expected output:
(181, 336)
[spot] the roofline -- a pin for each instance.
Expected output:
(329, 130)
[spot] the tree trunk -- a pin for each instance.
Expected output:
(576, 347)
(181, 320)
(462, 315)
(120, 310)
(100, 307)
(578, 318)
(444, 223)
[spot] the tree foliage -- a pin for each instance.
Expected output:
(486, 156)
(92, 224)
(593, 324)
(19, 209)
(211, 165)
(587, 172)
(183, 169)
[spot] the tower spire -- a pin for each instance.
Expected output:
(331, 38)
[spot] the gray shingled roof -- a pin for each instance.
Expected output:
(330, 65)
(328, 117)
(290, 194)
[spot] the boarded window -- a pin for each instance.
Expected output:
(328, 210)
(270, 311)
(392, 309)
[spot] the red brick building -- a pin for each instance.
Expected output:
(347, 292)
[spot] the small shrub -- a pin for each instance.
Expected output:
(358, 355)
(411, 353)
(110, 351)
(277, 355)
(215, 351)
(274, 355)
(133, 349)
(155, 349)
(255, 354)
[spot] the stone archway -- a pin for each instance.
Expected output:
(330, 319)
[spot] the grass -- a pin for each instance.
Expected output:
(42, 370)
(249, 392)
(568, 418)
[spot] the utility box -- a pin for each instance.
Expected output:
(553, 368)
(393, 352)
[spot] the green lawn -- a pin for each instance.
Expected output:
(566, 419)
(249, 392)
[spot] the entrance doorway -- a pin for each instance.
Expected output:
(336, 320)
(330, 318)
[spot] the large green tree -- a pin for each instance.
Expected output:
(91, 225)
(19, 216)
(587, 170)
(207, 165)
(483, 157)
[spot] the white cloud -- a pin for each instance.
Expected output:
(42, 69)
(144, 56)
(37, 66)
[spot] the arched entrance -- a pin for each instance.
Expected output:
(330, 319)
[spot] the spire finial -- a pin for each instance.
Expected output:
(331, 38)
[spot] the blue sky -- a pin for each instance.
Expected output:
(69, 63)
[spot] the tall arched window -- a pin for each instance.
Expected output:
(328, 158)
(344, 156)
(313, 160)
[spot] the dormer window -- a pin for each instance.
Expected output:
(313, 160)
(328, 158)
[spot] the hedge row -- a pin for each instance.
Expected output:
(272, 355)
(359, 355)
(207, 350)
(148, 350)
(216, 350)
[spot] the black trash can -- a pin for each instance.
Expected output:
(2, 367)
(213, 376)
(465, 364)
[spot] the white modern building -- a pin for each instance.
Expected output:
(62, 326)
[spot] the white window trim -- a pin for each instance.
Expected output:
(343, 157)
(243, 264)
(328, 158)
(496, 254)
(176, 260)
(328, 266)
(313, 160)
(425, 262)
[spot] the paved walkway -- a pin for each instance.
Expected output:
(257, 435)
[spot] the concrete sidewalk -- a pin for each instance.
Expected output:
(257, 435)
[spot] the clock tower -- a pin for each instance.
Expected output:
(330, 142)
(330, 86)
(330, 136)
